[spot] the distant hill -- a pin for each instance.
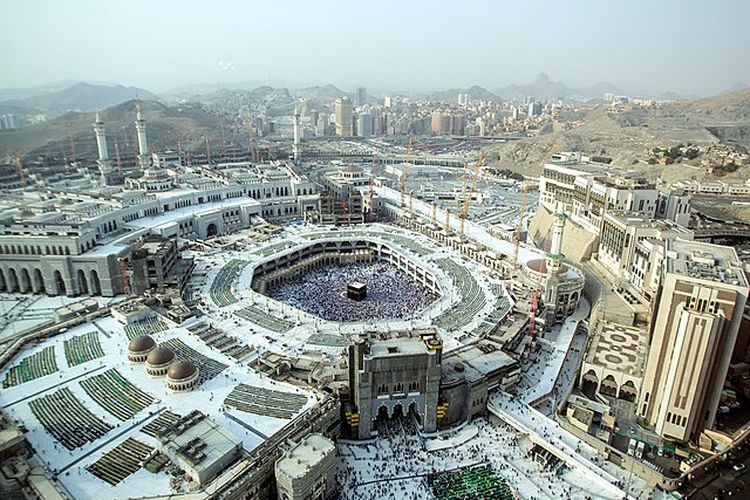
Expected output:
(541, 88)
(728, 107)
(320, 92)
(24, 92)
(195, 89)
(475, 92)
(189, 124)
(80, 97)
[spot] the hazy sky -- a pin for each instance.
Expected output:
(689, 46)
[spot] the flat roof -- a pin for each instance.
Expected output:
(705, 261)
(306, 454)
(218, 441)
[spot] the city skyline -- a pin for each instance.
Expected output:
(644, 48)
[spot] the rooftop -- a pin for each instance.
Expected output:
(705, 261)
(305, 455)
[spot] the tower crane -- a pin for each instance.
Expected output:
(405, 171)
(467, 194)
(117, 156)
(20, 171)
(72, 142)
(371, 190)
(521, 215)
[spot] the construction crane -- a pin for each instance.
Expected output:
(20, 172)
(405, 171)
(521, 215)
(208, 151)
(117, 156)
(371, 190)
(467, 194)
(72, 142)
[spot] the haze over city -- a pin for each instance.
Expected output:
(689, 47)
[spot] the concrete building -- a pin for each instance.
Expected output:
(391, 374)
(200, 447)
(72, 243)
(364, 125)
(585, 190)
(342, 109)
(167, 159)
(534, 109)
(615, 361)
(619, 249)
(307, 471)
(698, 314)
(156, 264)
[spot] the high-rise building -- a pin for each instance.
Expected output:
(342, 108)
(535, 109)
(364, 125)
(361, 96)
(697, 317)
(463, 99)
(388, 101)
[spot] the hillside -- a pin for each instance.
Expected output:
(79, 97)
(166, 125)
(325, 92)
(626, 136)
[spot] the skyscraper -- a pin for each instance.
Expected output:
(698, 315)
(364, 125)
(342, 108)
(361, 96)
(535, 109)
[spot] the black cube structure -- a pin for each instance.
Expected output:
(356, 291)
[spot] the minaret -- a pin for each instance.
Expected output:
(555, 259)
(555, 255)
(144, 159)
(105, 165)
(297, 134)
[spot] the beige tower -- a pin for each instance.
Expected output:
(342, 108)
(697, 318)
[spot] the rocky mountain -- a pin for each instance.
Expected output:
(541, 88)
(79, 97)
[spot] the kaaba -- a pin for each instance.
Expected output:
(356, 291)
